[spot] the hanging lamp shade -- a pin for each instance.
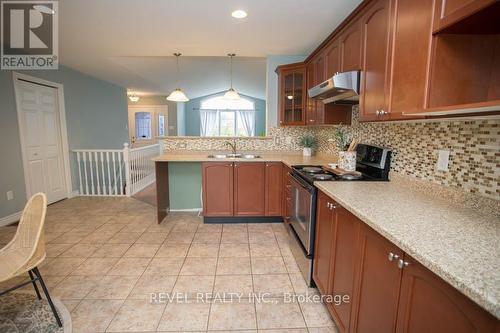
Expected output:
(231, 94)
(177, 95)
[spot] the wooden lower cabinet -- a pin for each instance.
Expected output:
(287, 194)
(249, 189)
(323, 243)
(350, 258)
(376, 288)
(274, 188)
(217, 184)
(429, 304)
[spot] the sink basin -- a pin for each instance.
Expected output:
(222, 156)
(250, 156)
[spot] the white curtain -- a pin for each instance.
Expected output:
(209, 121)
(247, 119)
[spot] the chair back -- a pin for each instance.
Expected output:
(29, 235)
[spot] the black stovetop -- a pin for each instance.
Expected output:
(321, 174)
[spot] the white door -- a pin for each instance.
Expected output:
(41, 138)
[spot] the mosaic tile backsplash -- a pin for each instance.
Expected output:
(474, 147)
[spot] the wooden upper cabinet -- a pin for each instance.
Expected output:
(449, 12)
(292, 94)
(217, 188)
(377, 283)
(350, 47)
(323, 243)
(375, 25)
(274, 188)
(315, 76)
(411, 40)
(332, 59)
(343, 266)
(249, 188)
(429, 304)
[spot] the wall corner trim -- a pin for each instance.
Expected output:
(4, 221)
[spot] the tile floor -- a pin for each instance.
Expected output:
(105, 256)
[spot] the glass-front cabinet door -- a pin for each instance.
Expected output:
(292, 93)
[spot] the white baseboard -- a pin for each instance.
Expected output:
(187, 210)
(4, 221)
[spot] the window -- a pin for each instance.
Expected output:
(143, 125)
(221, 117)
(161, 125)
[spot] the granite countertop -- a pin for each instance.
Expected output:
(288, 158)
(461, 245)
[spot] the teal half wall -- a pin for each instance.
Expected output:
(184, 185)
(96, 117)
(192, 115)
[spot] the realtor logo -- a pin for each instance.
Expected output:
(29, 35)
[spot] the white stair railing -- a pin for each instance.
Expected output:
(115, 172)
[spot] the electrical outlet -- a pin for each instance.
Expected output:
(443, 160)
(10, 195)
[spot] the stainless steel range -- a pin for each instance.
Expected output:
(373, 164)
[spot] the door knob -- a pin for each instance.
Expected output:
(402, 264)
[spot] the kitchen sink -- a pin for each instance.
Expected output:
(223, 156)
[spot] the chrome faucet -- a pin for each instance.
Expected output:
(232, 145)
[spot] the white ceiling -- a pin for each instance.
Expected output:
(130, 42)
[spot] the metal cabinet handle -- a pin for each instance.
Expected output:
(328, 205)
(377, 112)
(392, 256)
(402, 264)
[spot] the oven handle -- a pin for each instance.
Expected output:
(301, 183)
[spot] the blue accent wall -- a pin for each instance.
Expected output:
(96, 117)
(192, 116)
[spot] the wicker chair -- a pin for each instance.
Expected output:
(27, 249)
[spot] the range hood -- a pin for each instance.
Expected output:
(342, 88)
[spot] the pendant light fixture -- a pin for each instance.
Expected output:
(231, 93)
(177, 95)
(133, 97)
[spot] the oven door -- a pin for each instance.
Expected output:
(302, 214)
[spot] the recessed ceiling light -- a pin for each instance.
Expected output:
(239, 13)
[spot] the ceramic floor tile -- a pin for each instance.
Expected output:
(316, 315)
(94, 315)
(137, 315)
(262, 237)
(185, 227)
(111, 251)
(207, 237)
(264, 250)
(278, 314)
(152, 237)
(172, 250)
(124, 238)
(194, 286)
(234, 250)
(61, 266)
(216, 228)
(240, 284)
(113, 287)
(203, 250)
(69, 238)
(54, 250)
(234, 237)
(232, 316)
(268, 265)
(179, 237)
(185, 317)
(275, 285)
(75, 287)
(199, 266)
(154, 284)
(141, 251)
(234, 228)
(165, 266)
(80, 251)
(291, 265)
(130, 266)
(300, 286)
(233, 265)
(95, 266)
(260, 227)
